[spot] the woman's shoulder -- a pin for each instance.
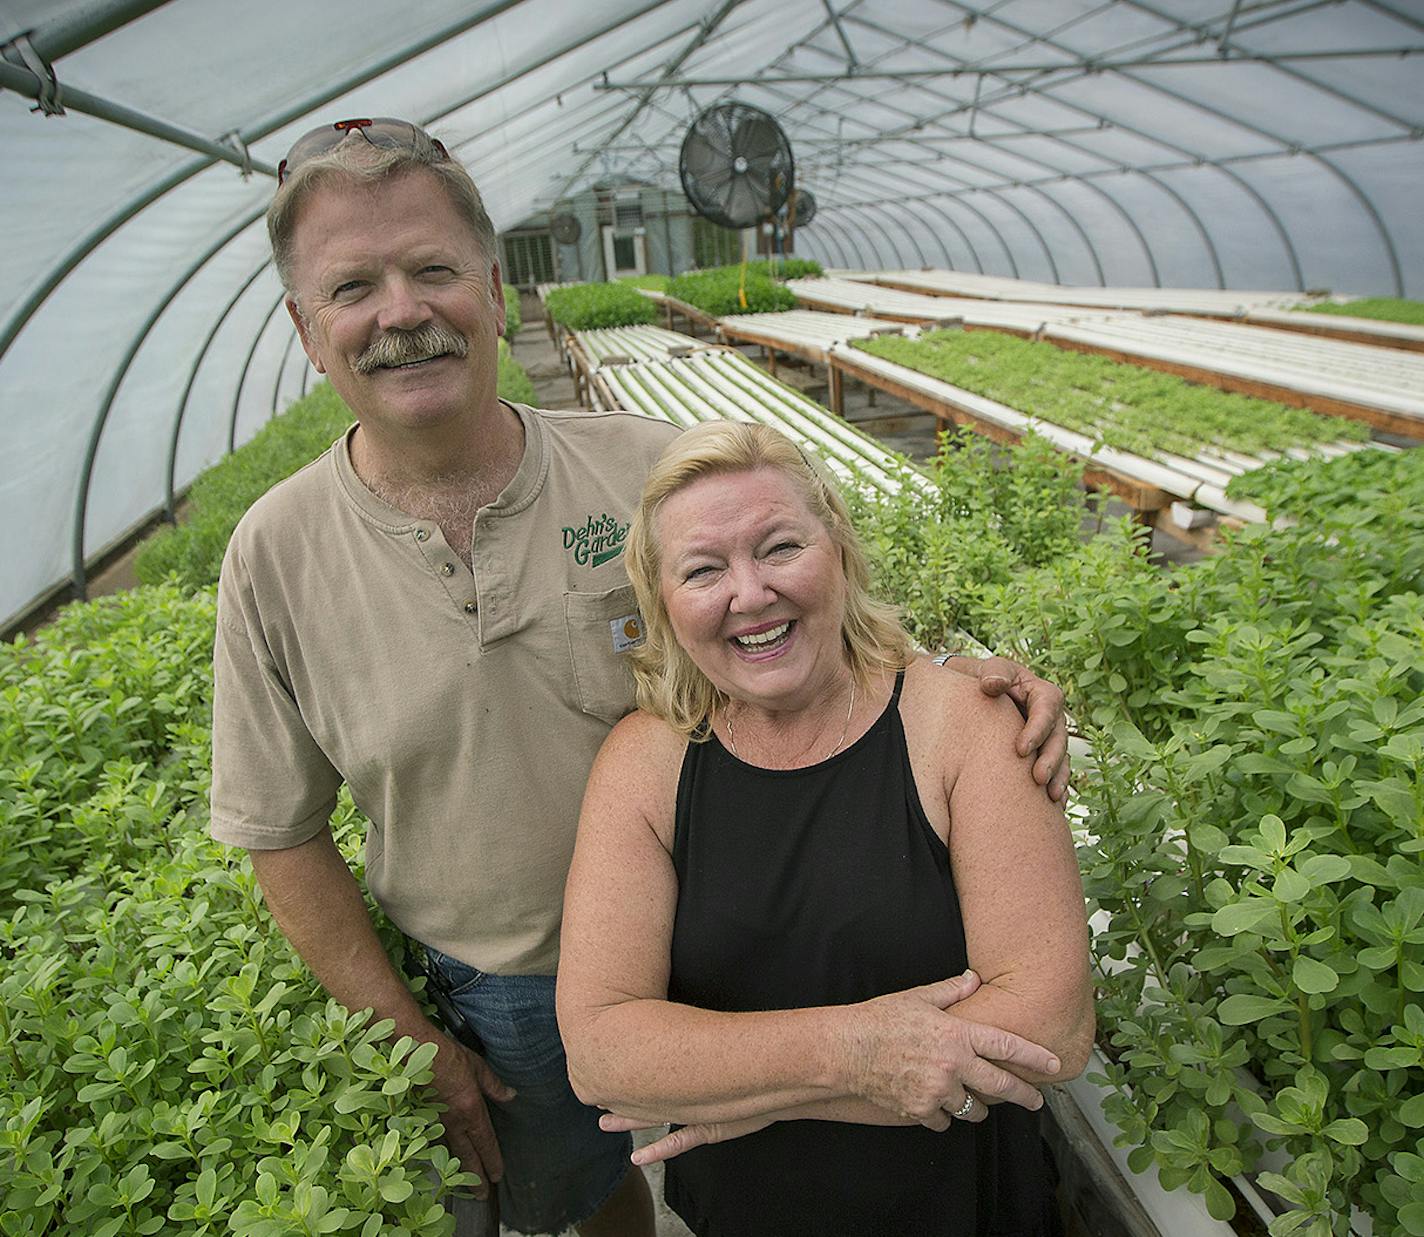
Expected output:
(642, 746)
(636, 774)
(945, 706)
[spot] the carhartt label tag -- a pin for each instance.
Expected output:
(627, 632)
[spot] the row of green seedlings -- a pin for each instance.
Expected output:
(166, 1064)
(1254, 808)
(750, 288)
(1126, 407)
(1383, 308)
(723, 290)
(192, 551)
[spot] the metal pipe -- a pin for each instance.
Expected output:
(242, 377)
(1086, 65)
(282, 369)
(849, 238)
(827, 241)
(915, 244)
(710, 24)
(24, 311)
(871, 236)
(953, 223)
(23, 82)
(170, 491)
(1197, 222)
(841, 34)
(82, 24)
(929, 231)
(1083, 236)
(91, 451)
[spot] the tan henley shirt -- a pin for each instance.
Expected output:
(463, 708)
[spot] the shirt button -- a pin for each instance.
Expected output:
(447, 569)
(471, 607)
(422, 534)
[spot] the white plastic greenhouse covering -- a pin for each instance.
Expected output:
(1265, 144)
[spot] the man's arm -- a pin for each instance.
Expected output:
(318, 905)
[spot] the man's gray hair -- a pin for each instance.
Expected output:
(359, 162)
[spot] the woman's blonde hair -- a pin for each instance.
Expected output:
(669, 684)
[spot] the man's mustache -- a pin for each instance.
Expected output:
(400, 347)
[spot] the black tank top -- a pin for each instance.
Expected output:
(825, 886)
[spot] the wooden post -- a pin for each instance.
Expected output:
(834, 381)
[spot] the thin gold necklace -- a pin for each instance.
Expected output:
(845, 727)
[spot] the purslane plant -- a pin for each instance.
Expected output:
(1375, 484)
(1254, 811)
(166, 1063)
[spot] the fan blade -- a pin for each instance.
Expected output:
(757, 138)
(703, 163)
(712, 129)
(743, 205)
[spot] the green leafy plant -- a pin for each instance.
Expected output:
(1128, 407)
(585, 306)
(1385, 308)
(514, 382)
(1253, 816)
(166, 1063)
(788, 268)
(1375, 484)
(513, 319)
(192, 551)
(726, 290)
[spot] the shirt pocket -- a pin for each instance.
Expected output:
(602, 627)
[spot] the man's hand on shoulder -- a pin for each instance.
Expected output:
(463, 1081)
(1045, 730)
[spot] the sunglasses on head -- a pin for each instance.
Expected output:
(378, 131)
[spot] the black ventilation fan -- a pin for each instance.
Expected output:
(800, 209)
(736, 165)
(566, 228)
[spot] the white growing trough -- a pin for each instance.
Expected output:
(848, 297)
(1201, 480)
(721, 385)
(1213, 302)
(804, 332)
(1349, 376)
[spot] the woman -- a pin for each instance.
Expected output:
(783, 859)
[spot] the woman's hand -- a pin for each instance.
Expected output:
(914, 1064)
(906, 1053)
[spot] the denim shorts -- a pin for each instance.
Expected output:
(559, 1167)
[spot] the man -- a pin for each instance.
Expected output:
(435, 612)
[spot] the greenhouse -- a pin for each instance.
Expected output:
(1107, 319)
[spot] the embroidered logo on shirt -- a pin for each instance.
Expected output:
(597, 540)
(627, 632)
